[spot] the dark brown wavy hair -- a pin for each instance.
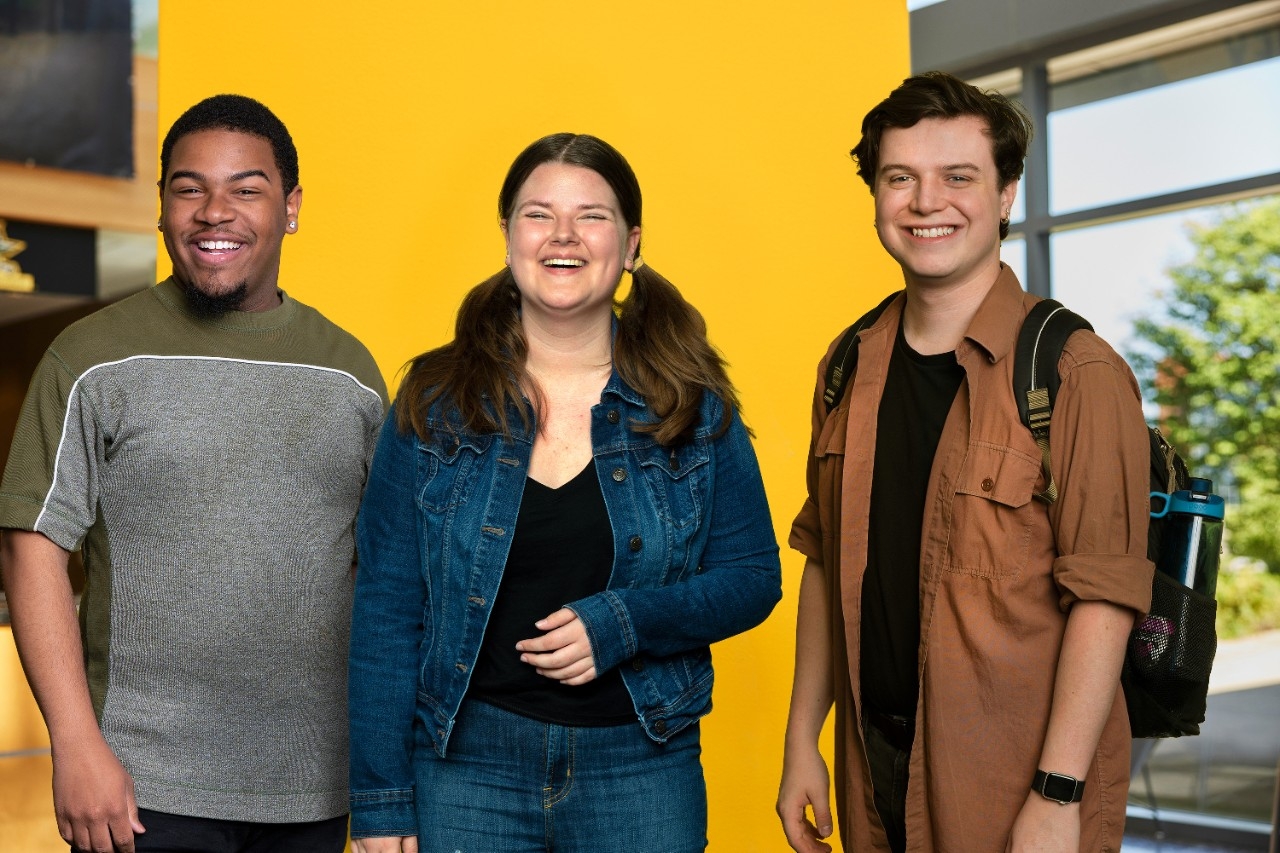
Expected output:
(660, 348)
(937, 94)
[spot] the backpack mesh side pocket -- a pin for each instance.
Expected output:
(1166, 670)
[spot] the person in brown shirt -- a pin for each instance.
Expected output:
(968, 635)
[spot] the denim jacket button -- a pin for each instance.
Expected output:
(461, 667)
(637, 664)
(660, 727)
(636, 543)
(612, 416)
(619, 474)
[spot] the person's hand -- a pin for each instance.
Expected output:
(389, 844)
(93, 798)
(1043, 826)
(563, 652)
(805, 784)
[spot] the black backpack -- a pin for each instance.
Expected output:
(1170, 652)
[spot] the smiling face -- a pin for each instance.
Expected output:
(939, 202)
(567, 242)
(224, 215)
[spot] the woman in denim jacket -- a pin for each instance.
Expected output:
(564, 511)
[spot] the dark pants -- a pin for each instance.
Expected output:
(889, 765)
(170, 833)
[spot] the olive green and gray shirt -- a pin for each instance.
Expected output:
(211, 471)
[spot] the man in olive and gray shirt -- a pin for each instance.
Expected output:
(205, 444)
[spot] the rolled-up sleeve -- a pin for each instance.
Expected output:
(1101, 462)
(806, 529)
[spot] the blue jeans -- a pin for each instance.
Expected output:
(514, 785)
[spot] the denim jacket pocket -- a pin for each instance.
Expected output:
(678, 477)
(448, 465)
(992, 513)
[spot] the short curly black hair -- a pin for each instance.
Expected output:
(241, 114)
(937, 94)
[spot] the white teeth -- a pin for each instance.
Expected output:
(563, 262)
(217, 245)
(933, 232)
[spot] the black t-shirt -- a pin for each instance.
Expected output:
(918, 394)
(562, 551)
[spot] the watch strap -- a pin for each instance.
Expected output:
(1058, 787)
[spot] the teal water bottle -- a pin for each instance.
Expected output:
(1191, 544)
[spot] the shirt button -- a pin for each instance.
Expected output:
(619, 474)
(636, 543)
(988, 484)
(613, 417)
(637, 664)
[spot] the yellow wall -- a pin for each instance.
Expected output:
(26, 773)
(738, 119)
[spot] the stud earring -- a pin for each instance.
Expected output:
(293, 226)
(159, 225)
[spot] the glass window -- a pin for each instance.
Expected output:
(1190, 133)
(1111, 273)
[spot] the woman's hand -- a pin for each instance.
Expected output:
(394, 844)
(563, 652)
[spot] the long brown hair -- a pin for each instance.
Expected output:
(660, 348)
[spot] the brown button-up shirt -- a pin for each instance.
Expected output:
(998, 573)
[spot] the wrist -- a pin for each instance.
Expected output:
(69, 736)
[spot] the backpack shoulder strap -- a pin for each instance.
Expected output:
(1035, 374)
(845, 358)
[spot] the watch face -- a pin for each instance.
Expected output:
(1059, 787)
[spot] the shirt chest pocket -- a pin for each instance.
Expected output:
(677, 478)
(993, 512)
(448, 466)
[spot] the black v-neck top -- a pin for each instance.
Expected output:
(562, 551)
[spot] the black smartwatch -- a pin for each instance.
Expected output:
(1058, 787)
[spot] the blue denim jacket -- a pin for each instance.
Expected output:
(695, 561)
